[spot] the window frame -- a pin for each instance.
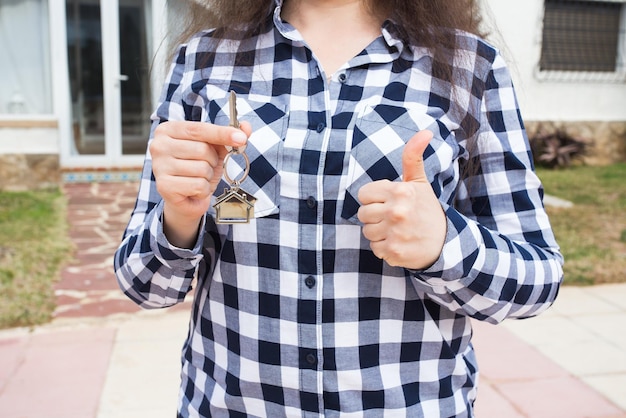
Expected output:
(27, 85)
(617, 76)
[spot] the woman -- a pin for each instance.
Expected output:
(395, 200)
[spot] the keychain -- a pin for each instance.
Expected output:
(235, 205)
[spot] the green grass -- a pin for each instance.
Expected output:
(33, 245)
(34, 242)
(592, 234)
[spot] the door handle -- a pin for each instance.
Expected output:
(120, 78)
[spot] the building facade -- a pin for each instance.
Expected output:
(76, 85)
(79, 78)
(568, 62)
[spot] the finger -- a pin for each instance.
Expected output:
(375, 232)
(205, 132)
(194, 150)
(372, 213)
(413, 157)
(374, 192)
(196, 187)
(379, 248)
(246, 127)
(192, 168)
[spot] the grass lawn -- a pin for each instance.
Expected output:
(33, 245)
(592, 234)
(34, 242)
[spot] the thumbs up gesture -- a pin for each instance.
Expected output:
(404, 221)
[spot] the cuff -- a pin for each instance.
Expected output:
(168, 254)
(459, 253)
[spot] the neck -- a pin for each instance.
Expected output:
(336, 30)
(319, 13)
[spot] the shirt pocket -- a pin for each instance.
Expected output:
(264, 150)
(379, 137)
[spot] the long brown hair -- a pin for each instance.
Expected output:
(426, 23)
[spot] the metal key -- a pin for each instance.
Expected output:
(235, 205)
(234, 121)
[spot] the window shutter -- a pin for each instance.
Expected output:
(580, 36)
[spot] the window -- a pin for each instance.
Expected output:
(583, 36)
(25, 85)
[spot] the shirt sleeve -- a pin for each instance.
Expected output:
(500, 258)
(152, 272)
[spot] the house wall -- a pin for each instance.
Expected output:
(31, 145)
(29, 153)
(29, 134)
(581, 104)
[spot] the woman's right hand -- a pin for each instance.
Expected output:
(187, 163)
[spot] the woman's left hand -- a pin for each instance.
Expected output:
(404, 220)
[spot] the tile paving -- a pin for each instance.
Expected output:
(98, 213)
(102, 357)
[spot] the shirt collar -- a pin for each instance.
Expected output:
(393, 42)
(289, 32)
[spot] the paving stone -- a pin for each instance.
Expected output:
(98, 215)
(55, 379)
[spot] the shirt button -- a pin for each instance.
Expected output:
(310, 282)
(320, 127)
(311, 358)
(343, 78)
(311, 203)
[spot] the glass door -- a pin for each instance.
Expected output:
(134, 76)
(108, 60)
(84, 50)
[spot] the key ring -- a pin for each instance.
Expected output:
(245, 171)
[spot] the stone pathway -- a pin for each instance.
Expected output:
(98, 214)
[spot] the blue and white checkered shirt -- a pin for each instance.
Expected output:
(293, 314)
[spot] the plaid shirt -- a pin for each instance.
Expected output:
(293, 314)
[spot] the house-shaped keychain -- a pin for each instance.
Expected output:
(234, 206)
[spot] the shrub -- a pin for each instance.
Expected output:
(557, 148)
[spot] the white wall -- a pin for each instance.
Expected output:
(28, 141)
(518, 35)
(25, 134)
(519, 38)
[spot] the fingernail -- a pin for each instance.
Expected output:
(239, 138)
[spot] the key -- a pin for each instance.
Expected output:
(234, 121)
(235, 205)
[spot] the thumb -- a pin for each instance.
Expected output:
(413, 157)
